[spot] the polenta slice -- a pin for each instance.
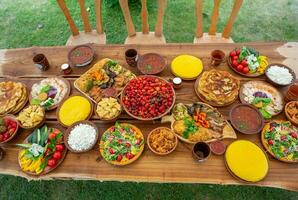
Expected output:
(187, 67)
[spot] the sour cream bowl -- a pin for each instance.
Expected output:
(280, 75)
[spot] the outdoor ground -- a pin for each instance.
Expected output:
(25, 23)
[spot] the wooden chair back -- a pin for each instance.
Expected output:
(144, 14)
(215, 14)
(84, 15)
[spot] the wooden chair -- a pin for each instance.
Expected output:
(212, 36)
(144, 37)
(88, 36)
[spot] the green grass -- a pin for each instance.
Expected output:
(258, 20)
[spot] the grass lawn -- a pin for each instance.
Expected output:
(25, 23)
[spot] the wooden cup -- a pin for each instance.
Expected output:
(201, 151)
(41, 62)
(131, 56)
(217, 57)
(292, 93)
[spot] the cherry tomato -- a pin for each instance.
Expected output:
(119, 157)
(238, 51)
(138, 141)
(235, 63)
(56, 131)
(59, 147)
(245, 70)
(294, 135)
(1, 138)
(111, 151)
(235, 58)
(244, 63)
(57, 155)
(129, 155)
(270, 142)
(51, 162)
(239, 68)
(52, 136)
(233, 53)
(283, 137)
(127, 144)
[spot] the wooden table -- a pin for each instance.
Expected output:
(178, 166)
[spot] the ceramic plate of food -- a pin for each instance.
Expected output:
(49, 92)
(8, 128)
(280, 74)
(151, 63)
(280, 139)
(246, 161)
(73, 109)
(81, 55)
(246, 61)
(291, 111)
(199, 122)
(104, 79)
(108, 109)
(263, 96)
(187, 67)
(217, 88)
(121, 144)
(31, 117)
(13, 97)
(148, 97)
(42, 151)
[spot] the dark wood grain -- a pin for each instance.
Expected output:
(179, 166)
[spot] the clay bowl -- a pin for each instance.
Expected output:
(65, 97)
(233, 122)
(67, 132)
(151, 63)
(60, 105)
(287, 114)
(109, 120)
(37, 125)
(156, 152)
(12, 117)
(280, 65)
(81, 55)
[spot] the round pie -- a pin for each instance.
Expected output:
(187, 67)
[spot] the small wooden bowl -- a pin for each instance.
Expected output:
(156, 152)
(67, 132)
(86, 60)
(287, 114)
(146, 59)
(18, 125)
(60, 105)
(109, 120)
(37, 125)
(280, 65)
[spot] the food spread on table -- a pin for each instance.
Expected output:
(42, 151)
(82, 137)
(218, 88)
(187, 67)
(162, 140)
(49, 92)
(8, 128)
(200, 122)
(291, 111)
(103, 75)
(13, 97)
(148, 97)
(246, 161)
(263, 96)
(280, 138)
(31, 116)
(121, 144)
(108, 108)
(248, 61)
(74, 109)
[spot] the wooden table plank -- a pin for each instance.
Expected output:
(178, 166)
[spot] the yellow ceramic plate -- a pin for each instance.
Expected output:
(247, 161)
(187, 67)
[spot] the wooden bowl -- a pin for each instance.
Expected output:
(280, 65)
(47, 170)
(66, 95)
(37, 125)
(153, 118)
(109, 120)
(60, 105)
(14, 134)
(258, 130)
(67, 132)
(148, 59)
(156, 152)
(85, 60)
(287, 114)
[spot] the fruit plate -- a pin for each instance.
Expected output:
(266, 143)
(156, 90)
(227, 129)
(132, 139)
(47, 169)
(48, 80)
